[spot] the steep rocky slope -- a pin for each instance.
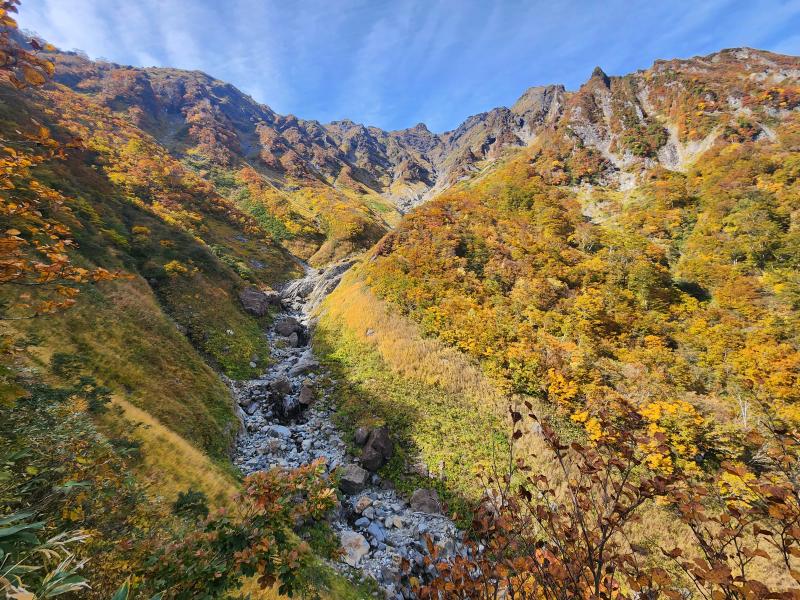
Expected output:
(666, 114)
(194, 114)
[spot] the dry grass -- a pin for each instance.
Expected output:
(398, 341)
(170, 463)
(437, 402)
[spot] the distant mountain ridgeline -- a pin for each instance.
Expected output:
(626, 249)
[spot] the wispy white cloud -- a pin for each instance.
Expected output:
(396, 63)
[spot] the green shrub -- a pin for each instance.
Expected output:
(191, 503)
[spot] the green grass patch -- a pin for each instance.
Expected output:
(430, 425)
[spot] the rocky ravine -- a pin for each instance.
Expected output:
(288, 422)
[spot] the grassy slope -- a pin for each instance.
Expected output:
(121, 336)
(436, 402)
(155, 338)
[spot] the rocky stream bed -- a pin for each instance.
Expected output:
(287, 420)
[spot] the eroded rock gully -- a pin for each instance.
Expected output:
(288, 422)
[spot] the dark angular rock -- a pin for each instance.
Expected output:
(285, 402)
(371, 459)
(426, 500)
(257, 302)
(378, 449)
(353, 479)
(287, 326)
(289, 407)
(379, 440)
(361, 435)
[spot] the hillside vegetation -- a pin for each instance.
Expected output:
(679, 295)
(637, 264)
(578, 317)
(121, 269)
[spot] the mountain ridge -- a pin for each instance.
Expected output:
(622, 253)
(190, 110)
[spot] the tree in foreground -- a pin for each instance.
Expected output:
(573, 535)
(35, 263)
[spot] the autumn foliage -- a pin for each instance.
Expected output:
(257, 539)
(34, 243)
(574, 534)
(20, 65)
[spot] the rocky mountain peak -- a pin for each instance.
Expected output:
(537, 98)
(599, 75)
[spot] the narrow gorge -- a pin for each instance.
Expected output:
(287, 418)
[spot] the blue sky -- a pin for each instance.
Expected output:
(399, 62)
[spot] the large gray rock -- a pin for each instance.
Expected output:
(257, 302)
(306, 363)
(426, 500)
(287, 326)
(353, 479)
(376, 531)
(355, 547)
(279, 431)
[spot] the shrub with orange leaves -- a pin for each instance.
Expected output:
(571, 535)
(559, 537)
(256, 540)
(34, 243)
